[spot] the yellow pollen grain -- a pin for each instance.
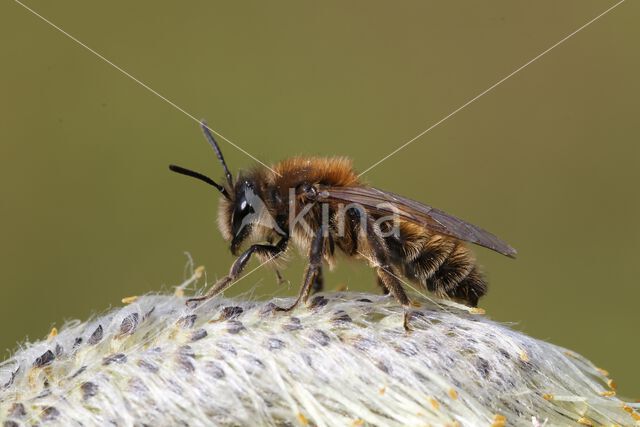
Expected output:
(453, 394)
(357, 422)
(612, 384)
(303, 420)
(635, 416)
(603, 372)
(477, 310)
(547, 396)
(610, 393)
(499, 421)
(434, 403)
(129, 300)
(627, 408)
(53, 333)
(199, 272)
(585, 421)
(523, 356)
(179, 292)
(382, 390)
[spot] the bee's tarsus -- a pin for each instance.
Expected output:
(405, 321)
(318, 282)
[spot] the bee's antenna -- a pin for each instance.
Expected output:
(214, 144)
(201, 177)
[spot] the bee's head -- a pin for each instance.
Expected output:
(241, 207)
(238, 216)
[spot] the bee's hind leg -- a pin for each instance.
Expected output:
(394, 287)
(382, 285)
(386, 277)
(318, 282)
(313, 270)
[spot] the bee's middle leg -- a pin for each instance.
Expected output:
(311, 272)
(386, 277)
(318, 282)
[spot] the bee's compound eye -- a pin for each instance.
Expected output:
(243, 207)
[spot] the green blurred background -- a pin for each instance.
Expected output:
(548, 160)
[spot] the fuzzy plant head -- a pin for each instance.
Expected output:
(346, 360)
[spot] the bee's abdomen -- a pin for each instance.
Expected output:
(445, 267)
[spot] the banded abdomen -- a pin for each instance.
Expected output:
(441, 264)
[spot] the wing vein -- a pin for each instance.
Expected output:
(386, 203)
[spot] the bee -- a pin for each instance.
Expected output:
(322, 208)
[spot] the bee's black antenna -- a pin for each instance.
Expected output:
(214, 144)
(201, 177)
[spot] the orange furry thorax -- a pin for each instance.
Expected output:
(283, 176)
(335, 171)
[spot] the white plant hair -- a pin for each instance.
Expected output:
(344, 361)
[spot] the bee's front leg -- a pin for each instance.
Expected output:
(312, 271)
(239, 265)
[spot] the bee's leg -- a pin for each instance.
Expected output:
(386, 276)
(279, 278)
(239, 265)
(312, 270)
(318, 282)
(394, 286)
(382, 285)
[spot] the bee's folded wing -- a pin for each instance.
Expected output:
(386, 203)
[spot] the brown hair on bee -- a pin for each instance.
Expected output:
(319, 205)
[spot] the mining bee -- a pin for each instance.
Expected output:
(320, 206)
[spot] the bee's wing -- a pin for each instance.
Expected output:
(386, 203)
